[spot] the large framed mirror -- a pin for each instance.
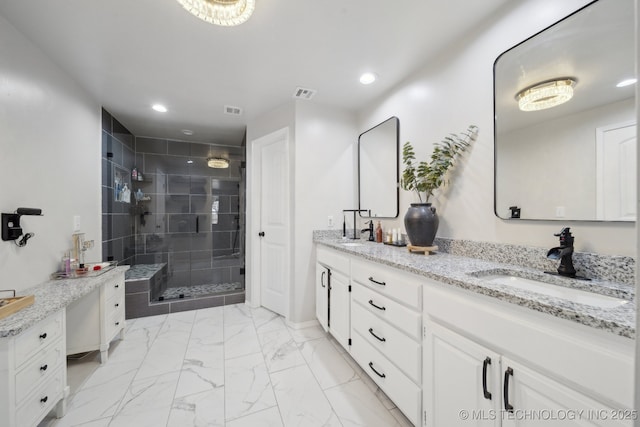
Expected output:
(378, 170)
(575, 160)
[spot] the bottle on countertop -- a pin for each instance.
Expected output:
(134, 174)
(379, 233)
(66, 263)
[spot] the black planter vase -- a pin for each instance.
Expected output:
(421, 223)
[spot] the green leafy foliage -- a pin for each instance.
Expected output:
(426, 177)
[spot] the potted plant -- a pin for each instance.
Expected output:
(421, 221)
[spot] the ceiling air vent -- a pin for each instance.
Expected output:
(304, 93)
(232, 111)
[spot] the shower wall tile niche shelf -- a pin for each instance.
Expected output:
(121, 185)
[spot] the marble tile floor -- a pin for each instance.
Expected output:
(201, 290)
(229, 366)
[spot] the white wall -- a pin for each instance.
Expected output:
(455, 90)
(50, 159)
(324, 162)
(322, 142)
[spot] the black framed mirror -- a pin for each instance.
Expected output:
(378, 170)
(576, 160)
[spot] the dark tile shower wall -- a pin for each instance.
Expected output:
(118, 157)
(176, 225)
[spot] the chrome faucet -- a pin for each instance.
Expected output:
(564, 253)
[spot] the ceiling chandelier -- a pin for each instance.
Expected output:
(220, 12)
(217, 163)
(547, 94)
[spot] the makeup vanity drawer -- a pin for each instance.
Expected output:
(33, 372)
(39, 370)
(395, 284)
(42, 400)
(38, 337)
(115, 322)
(94, 321)
(113, 288)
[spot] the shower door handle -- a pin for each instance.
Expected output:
(261, 234)
(197, 224)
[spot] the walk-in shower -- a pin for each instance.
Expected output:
(176, 221)
(191, 217)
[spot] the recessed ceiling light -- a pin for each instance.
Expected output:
(368, 78)
(190, 161)
(159, 108)
(187, 132)
(627, 82)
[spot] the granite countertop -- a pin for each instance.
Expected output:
(52, 296)
(464, 272)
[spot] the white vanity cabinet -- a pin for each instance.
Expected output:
(333, 302)
(459, 374)
(322, 295)
(33, 373)
(386, 337)
(491, 363)
(96, 319)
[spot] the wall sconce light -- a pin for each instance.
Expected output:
(217, 163)
(11, 229)
(547, 94)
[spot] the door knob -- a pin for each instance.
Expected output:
(261, 234)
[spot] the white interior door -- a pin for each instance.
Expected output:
(616, 172)
(273, 234)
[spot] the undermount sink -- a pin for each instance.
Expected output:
(352, 244)
(556, 291)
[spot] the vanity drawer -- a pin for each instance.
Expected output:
(398, 285)
(41, 401)
(115, 322)
(403, 351)
(333, 259)
(113, 287)
(400, 389)
(398, 315)
(38, 337)
(38, 371)
(115, 303)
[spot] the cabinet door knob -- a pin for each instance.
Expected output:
(507, 406)
(374, 370)
(44, 399)
(117, 323)
(44, 367)
(261, 234)
(485, 364)
(377, 306)
(377, 337)
(43, 336)
(117, 305)
(372, 280)
(116, 286)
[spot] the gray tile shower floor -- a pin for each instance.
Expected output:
(201, 290)
(232, 366)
